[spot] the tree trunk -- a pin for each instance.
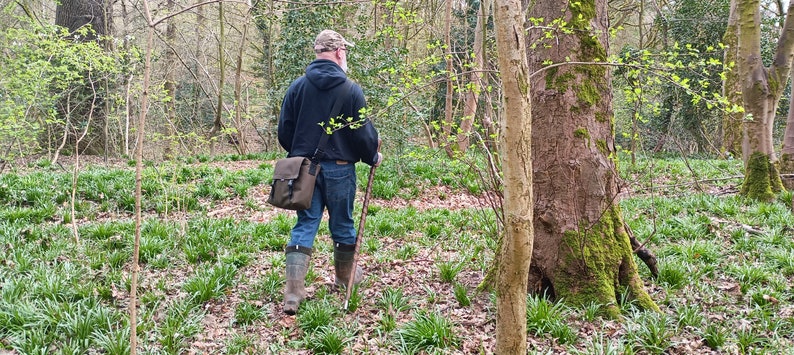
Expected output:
(636, 85)
(787, 153)
(147, 70)
(76, 174)
(74, 15)
(582, 252)
(217, 124)
(761, 91)
(516, 146)
(240, 141)
(200, 58)
(731, 88)
(169, 86)
(124, 123)
(446, 139)
(475, 77)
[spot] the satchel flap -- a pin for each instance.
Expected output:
(288, 168)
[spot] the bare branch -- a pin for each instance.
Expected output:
(186, 9)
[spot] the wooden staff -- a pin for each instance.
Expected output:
(359, 234)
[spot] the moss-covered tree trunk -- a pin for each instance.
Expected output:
(516, 152)
(582, 252)
(761, 88)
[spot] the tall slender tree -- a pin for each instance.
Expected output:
(787, 153)
(516, 146)
(762, 88)
(217, 124)
(240, 142)
(475, 76)
(731, 87)
(582, 251)
(447, 126)
(169, 85)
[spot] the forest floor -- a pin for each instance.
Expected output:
(474, 324)
(408, 245)
(416, 277)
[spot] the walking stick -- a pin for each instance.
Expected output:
(359, 234)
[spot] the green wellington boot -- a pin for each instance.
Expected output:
(297, 266)
(343, 263)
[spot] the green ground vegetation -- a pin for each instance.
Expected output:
(211, 264)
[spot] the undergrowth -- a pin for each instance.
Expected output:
(213, 282)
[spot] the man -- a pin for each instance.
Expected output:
(308, 103)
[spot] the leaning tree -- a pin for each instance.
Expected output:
(582, 251)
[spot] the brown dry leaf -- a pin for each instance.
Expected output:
(287, 321)
(770, 299)
(729, 287)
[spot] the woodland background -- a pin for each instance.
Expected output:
(180, 89)
(219, 71)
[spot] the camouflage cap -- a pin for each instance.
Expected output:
(329, 40)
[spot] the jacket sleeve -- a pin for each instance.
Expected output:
(286, 123)
(366, 136)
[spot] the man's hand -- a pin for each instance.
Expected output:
(380, 156)
(380, 159)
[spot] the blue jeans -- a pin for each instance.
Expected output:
(335, 189)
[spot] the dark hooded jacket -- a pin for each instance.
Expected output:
(308, 102)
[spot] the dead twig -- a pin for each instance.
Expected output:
(644, 253)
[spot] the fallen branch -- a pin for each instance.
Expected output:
(696, 183)
(744, 227)
(644, 253)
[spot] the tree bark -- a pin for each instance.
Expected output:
(74, 15)
(582, 252)
(516, 146)
(761, 88)
(731, 88)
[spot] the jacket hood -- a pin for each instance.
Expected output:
(325, 74)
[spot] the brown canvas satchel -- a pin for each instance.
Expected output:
(293, 183)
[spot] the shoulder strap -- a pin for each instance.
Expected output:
(335, 111)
